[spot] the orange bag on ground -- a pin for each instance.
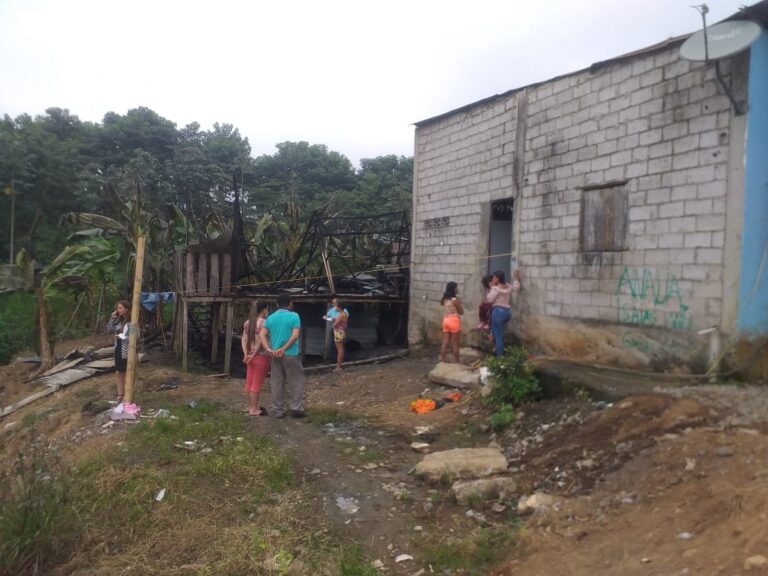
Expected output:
(423, 405)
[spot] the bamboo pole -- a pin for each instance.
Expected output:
(130, 377)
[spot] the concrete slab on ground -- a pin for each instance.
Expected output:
(563, 378)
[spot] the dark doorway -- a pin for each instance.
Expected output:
(500, 238)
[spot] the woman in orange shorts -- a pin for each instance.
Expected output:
(257, 360)
(451, 321)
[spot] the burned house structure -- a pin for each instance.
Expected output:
(363, 260)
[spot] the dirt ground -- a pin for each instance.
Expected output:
(654, 484)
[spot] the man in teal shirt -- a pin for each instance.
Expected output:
(280, 337)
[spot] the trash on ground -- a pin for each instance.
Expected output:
(424, 405)
(160, 495)
(403, 558)
(172, 384)
(347, 505)
(125, 411)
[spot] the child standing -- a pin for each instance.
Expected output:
(340, 322)
(256, 359)
(451, 320)
(484, 310)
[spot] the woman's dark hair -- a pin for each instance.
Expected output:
(501, 277)
(253, 319)
(486, 281)
(451, 289)
(127, 305)
(339, 303)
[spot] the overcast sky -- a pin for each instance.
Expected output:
(353, 75)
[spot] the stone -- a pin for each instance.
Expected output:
(758, 561)
(461, 463)
(535, 503)
(421, 447)
(585, 464)
(465, 491)
(454, 376)
(725, 451)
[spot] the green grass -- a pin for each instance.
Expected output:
(473, 555)
(109, 499)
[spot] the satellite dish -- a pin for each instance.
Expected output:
(723, 40)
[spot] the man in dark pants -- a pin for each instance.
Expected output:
(280, 338)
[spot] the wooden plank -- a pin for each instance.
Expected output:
(375, 360)
(63, 366)
(228, 337)
(191, 284)
(66, 378)
(215, 324)
(202, 274)
(215, 284)
(226, 274)
(184, 333)
(11, 408)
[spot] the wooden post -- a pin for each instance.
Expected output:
(226, 274)
(228, 338)
(328, 340)
(184, 334)
(215, 323)
(191, 286)
(130, 376)
(214, 287)
(328, 274)
(202, 273)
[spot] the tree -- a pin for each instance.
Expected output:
(300, 172)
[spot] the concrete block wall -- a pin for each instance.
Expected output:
(658, 124)
(462, 164)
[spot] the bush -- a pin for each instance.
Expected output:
(18, 321)
(512, 379)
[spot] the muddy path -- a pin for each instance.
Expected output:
(359, 484)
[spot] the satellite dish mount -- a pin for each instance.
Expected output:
(720, 41)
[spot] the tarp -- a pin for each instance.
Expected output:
(150, 300)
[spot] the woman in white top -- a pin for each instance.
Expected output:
(501, 314)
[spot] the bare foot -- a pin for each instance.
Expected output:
(337, 369)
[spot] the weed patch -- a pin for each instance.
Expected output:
(512, 384)
(473, 555)
(352, 562)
